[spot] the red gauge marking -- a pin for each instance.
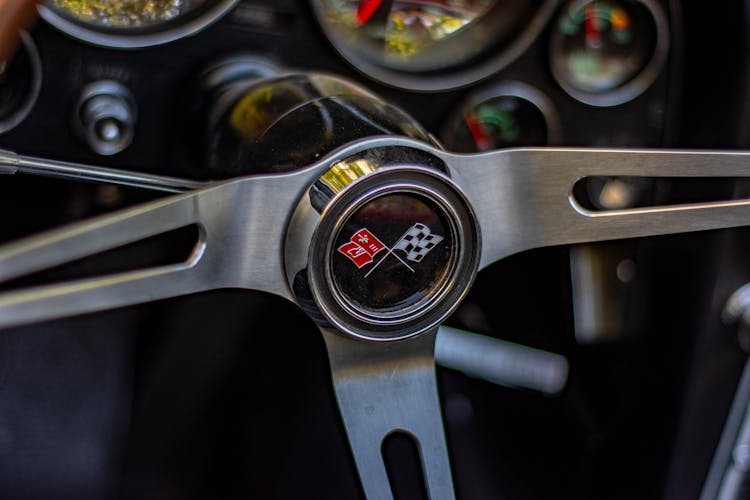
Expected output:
(592, 26)
(366, 9)
(478, 132)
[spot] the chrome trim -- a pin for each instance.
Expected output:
(27, 43)
(312, 233)
(440, 80)
(509, 88)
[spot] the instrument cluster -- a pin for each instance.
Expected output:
(479, 74)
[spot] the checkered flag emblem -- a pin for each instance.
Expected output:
(417, 242)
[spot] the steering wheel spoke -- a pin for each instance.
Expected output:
(384, 388)
(382, 245)
(524, 198)
(69, 299)
(239, 245)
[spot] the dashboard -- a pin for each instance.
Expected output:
(228, 393)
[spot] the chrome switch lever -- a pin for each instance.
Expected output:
(500, 362)
(14, 163)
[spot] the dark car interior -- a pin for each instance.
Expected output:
(228, 393)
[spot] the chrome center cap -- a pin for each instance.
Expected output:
(391, 248)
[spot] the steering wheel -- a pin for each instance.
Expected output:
(378, 242)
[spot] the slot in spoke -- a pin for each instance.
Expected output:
(390, 387)
(524, 200)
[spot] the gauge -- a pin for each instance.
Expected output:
(133, 23)
(20, 81)
(407, 34)
(511, 114)
(606, 52)
(412, 43)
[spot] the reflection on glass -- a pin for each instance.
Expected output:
(601, 45)
(408, 27)
(282, 123)
(423, 35)
(502, 121)
(125, 13)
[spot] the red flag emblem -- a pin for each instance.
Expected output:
(361, 247)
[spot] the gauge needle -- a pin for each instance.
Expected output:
(478, 132)
(592, 26)
(366, 9)
(15, 15)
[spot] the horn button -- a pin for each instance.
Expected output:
(391, 250)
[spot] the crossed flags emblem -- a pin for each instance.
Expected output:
(362, 247)
(416, 243)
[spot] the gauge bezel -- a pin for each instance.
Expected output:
(27, 44)
(170, 30)
(508, 88)
(449, 77)
(636, 85)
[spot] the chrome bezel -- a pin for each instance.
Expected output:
(509, 88)
(448, 78)
(447, 292)
(27, 44)
(124, 40)
(313, 233)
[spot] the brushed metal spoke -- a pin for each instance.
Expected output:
(390, 387)
(66, 244)
(242, 228)
(68, 299)
(523, 197)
